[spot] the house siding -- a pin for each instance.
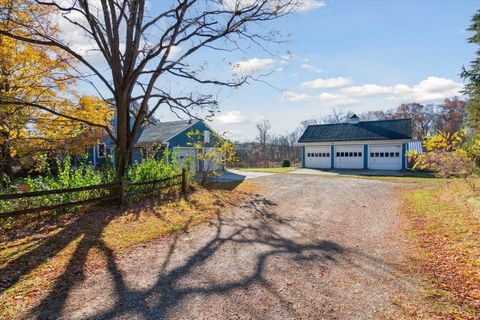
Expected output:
(182, 140)
(179, 140)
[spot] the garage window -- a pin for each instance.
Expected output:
(354, 154)
(397, 154)
(338, 154)
(359, 154)
(328, 154)
(376, 155)
(372, 155)
(386, 154)
(392, 154)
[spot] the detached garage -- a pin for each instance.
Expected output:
(379, 145)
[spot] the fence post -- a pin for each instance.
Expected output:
(184, 181)
(122, 191)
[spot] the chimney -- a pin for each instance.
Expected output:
(354, 119)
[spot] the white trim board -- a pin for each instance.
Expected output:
(339, 143)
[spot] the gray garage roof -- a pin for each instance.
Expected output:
(161, 131)
(363, 130)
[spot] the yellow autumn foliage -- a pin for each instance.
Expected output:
(33, 75)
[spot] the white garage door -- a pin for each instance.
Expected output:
(385, 157)
(349, 157)
(317, 157)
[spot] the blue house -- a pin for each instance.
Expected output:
(157, 137)
(379, 145)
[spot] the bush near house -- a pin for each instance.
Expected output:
(286, 163)
(450, 155)
(74, 177)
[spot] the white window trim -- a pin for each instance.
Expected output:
(104, 148)
(206, 136)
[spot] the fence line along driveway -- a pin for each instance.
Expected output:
(306, 247)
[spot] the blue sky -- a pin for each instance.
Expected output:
(404, 51)
(349, 55)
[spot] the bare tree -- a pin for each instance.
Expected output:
(423, 117)
(263, 136)
(137, 44)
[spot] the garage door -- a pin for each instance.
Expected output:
(317, 157)
(349, 157)
(385, 157)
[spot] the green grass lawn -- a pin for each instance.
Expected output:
(272, 170)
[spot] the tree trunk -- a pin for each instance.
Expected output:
(123, 146)
(6, 160)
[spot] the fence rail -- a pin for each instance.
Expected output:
(105, 186)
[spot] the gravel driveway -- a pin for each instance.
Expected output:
(306, 247)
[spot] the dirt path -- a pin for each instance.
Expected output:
(307, 247)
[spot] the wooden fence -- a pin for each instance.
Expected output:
(117, 191)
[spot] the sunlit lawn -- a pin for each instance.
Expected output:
(272, 170)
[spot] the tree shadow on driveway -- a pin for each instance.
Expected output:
(262, 231)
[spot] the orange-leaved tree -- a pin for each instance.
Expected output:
(40, 112)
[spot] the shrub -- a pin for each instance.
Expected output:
(286, 163)
(81, 176)
(449, 155)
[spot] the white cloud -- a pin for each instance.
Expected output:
(305, 5)
(301, 5)
(329, 83)
(335, 99)
(330, 99)
(428, 90)
(311, 68)
(251, 65)
(232, 117)
(296, 97)
(366, 90)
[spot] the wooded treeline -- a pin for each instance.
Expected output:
(271, 149)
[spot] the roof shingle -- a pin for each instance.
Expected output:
(161, 131)
(363, 130)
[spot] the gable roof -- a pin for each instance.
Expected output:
(363, 130)
(163, 131)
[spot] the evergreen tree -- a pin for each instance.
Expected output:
(472, 77)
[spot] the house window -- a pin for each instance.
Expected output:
(102, 150)
(206, 136)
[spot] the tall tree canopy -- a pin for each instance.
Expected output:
(472, 77)
(38, 107)
(137, 44)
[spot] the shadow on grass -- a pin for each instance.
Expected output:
(85, 227)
